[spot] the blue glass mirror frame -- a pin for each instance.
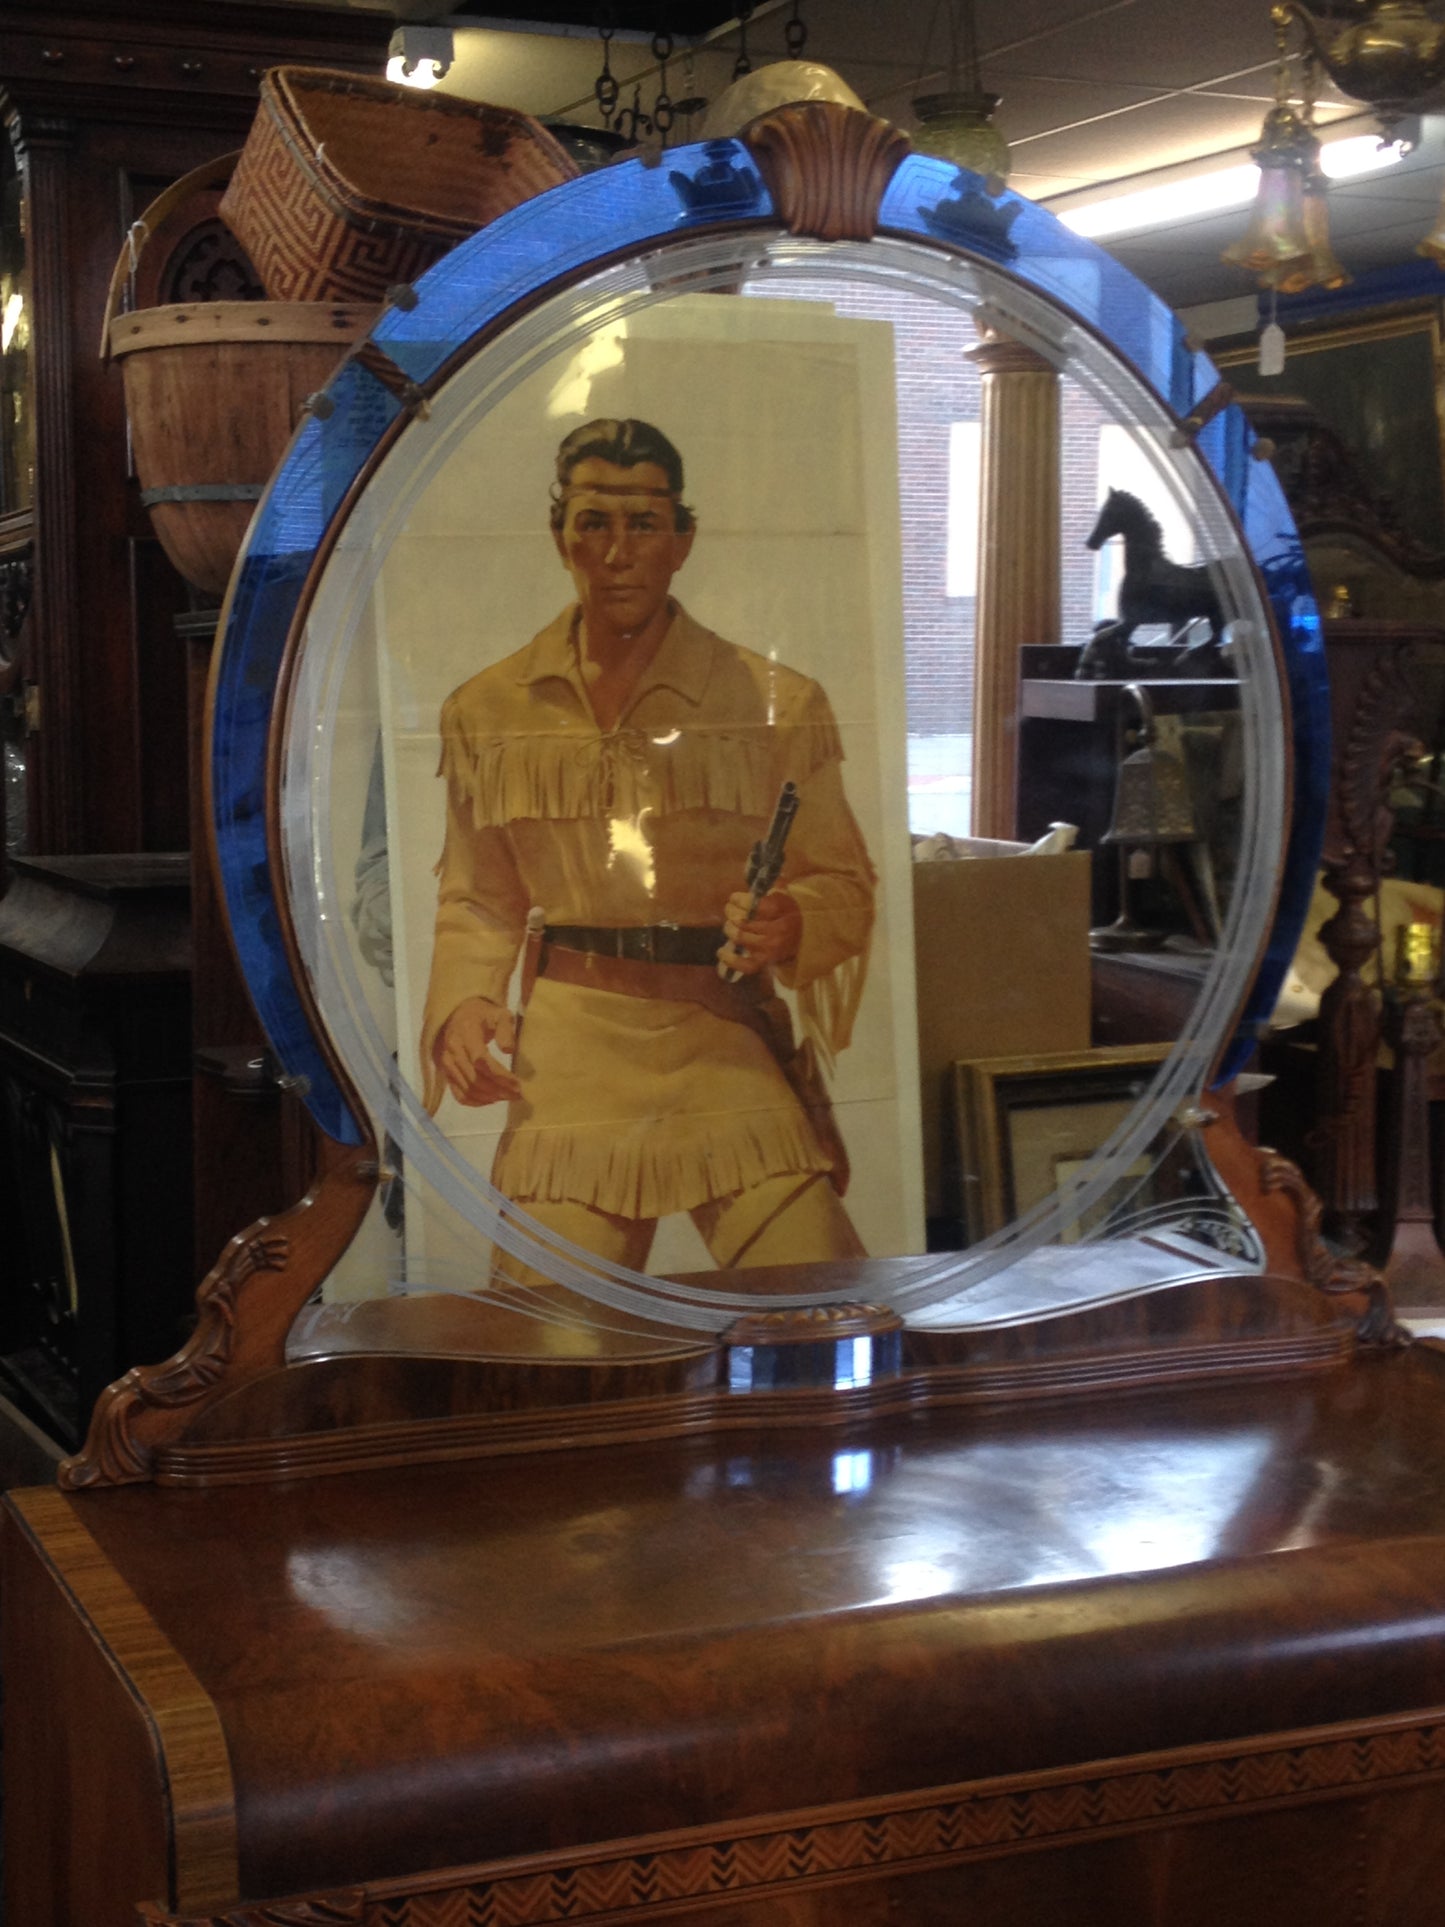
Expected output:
(544, 245)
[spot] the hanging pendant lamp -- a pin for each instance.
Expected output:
(1318, 266)
(1288, 151)
(1391, 54)
(957, 125)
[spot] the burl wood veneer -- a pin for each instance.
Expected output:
(1189, 1642)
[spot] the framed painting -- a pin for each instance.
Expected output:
(1029, 1126)
(1377, 381)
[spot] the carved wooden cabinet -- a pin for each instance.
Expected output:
(1333, 1107)
(104, 104)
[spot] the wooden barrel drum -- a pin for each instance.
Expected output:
(213, 390)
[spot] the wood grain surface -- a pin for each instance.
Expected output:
(1156, 1832)
(107, 1728)
(496, 1658)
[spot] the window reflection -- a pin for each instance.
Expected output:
(1046, 1514)
(852, 1471)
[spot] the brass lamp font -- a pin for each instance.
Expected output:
(1391, 56)
(958, 125)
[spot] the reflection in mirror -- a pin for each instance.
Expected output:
(677, 891)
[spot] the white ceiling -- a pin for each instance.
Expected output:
(1093, 91)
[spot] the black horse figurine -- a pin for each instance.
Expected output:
(1154, 590)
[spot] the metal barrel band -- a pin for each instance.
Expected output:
(203, 492)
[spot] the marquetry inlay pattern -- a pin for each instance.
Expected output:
(904, 1835)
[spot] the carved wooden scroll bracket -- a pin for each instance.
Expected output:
(826, 167)
(244, 1309)
(1325, 1269)
(1277, 1199)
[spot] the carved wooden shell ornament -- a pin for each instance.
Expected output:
(827, 167)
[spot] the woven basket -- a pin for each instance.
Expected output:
(347, 186)
(213, 390)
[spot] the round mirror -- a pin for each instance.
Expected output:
(779, 786)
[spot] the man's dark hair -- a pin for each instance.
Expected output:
(626, 444)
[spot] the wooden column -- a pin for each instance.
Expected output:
(1415, 1266)
(1018, 561)
(1373, 701)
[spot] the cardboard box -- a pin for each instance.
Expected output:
(1001, 943)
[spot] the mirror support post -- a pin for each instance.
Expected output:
(1018, 560)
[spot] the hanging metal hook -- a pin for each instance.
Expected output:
(632, 123)
(664, 111)
(743, 65)
(605, 86)
(795, 33)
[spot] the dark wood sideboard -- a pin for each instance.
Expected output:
(968, 1646)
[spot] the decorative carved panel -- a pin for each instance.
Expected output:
(826, 167)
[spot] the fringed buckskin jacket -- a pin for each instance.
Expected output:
(642, 1106)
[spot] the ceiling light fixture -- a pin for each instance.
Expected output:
(420, 56)
(1287, 154)
(958, 125)
(1193, 196)
(1391, 56)
(1142, 208)
(1287, 243)
(1356, 154)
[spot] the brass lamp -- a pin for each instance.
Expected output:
(958, 125)
(1288, 244)
(1288, 153)
(1317, 266)
(1433, 246)
(1391, 56)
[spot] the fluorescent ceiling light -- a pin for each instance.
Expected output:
(1342, 160)
(1215, 192)
(1147, 207)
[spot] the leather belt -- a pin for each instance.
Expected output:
(740, 1003)
(649, 943)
